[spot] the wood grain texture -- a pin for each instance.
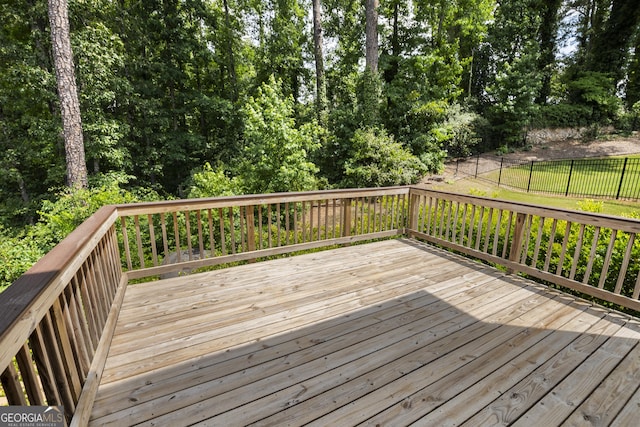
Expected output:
(391, 333)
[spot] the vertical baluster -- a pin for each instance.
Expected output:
(11, 384)
(44, 365)
(260, 244)
(200, 234)
(525, 240)
(487, 233)
(54, 355)
(563, 249)
(212, 240)
(176, 234)
(232, 230)
(463, 226)
(136, 221)
(29, 376)
(496, 235)
(165, 239)
(507, 235)
(607, 259)
(479, 229)
(577, 252)
(187, 224)
(625, 264)
(125, 242)
(536, 250)
(223, 237)
(243, 213)
(550, 242)
(269, 237)
(472, 221)
(152, 240)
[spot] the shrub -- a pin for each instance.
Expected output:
(378, 160)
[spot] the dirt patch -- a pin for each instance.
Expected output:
(572, 149)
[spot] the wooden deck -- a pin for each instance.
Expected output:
(389, 333)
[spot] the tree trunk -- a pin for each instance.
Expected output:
(548, 33)
(371, 9)
(232, 62)
(68, 94)
(321, 84)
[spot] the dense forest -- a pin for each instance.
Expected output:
(191, 98)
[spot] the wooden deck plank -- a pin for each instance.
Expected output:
(514, 401)
(334, 361)
(393, 332)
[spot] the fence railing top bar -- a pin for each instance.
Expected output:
(603, 220)
(30, 296)
(253, 199)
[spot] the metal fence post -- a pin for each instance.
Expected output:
(500, 174)
(477, 163)
(530, 175)
(566, 193)
(624, 168)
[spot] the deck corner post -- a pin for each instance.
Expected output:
(414, 211)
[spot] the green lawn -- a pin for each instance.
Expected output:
(588, 177)
(484, 188)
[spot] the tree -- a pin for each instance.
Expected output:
(275, 156)
(371, 31)
(68, 94)
(318, 50)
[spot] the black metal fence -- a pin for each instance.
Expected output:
(617, 178)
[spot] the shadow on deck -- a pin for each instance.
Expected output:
(387, 333)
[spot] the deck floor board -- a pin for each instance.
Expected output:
(388, 333)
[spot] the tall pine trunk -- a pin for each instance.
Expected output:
(68, 94)
(321, 84)
(371, 8)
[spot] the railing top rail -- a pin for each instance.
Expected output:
(253, 199)
(32, 294)
(602, 220)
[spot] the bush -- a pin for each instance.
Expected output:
(563, 115)
(206, 182)
(17, 255)
(377, 160)
(72, 207)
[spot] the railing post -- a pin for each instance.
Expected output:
(346, 217)
(624, 168)
(516, 244)
(414, 211)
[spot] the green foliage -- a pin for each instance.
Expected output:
(596, 90)
(276, 153)
(563, 115)
(456, 134)
(377, 160)
(17, 255)
(590, 205)
(60, 217)
(207, 182)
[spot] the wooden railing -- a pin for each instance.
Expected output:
(57, 320)
(596, 255)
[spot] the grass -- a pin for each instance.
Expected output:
(551, 177)
(589, 177)
(487, 189)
